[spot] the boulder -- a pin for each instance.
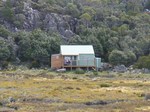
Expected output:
(120, 68)
(11, 99)
(136, 71)
(145, 70)
(106, 66)
(68, 34)
(61, 70)
(147, 96)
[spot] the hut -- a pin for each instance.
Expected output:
(75, 56)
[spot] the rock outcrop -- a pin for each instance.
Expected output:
(65, 25)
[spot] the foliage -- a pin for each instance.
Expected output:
(86, 17)
(104, 85)
(35, 64)
(4, 64)
(79, 71)
(108, 25)
(88, 40)
(95, 73)
(36, 45)
(119, 57)
(7, 11)
(72, 10)
(4, 50)
(4, 32)
(143, 62)
(131, 57)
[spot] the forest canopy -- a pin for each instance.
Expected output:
(32, 30)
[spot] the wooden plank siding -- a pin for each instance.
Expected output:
(57, 61)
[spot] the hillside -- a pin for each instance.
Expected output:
(32, 30)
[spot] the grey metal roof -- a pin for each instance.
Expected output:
(76, 49)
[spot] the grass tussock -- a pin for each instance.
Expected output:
(43, 90)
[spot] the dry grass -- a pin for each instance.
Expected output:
(45, 91)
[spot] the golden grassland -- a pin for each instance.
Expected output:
(46, 91)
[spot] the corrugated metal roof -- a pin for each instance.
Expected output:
(76, 49)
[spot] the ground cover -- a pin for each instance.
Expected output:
(46, 91)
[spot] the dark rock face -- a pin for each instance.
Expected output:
(64, 25)
(50, 22)
(32, 17)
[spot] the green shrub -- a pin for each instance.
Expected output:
(140, 94)
(95, 73)
(143, 62)
(35, 64)
(8, 12)
(4, 32)
(1, 104)
(37, 45)
(120, 57)
(74, 78)
(4, 50)
(79, 71)
(117, 57)
(17, 23)
(4, 64)
(104, 85)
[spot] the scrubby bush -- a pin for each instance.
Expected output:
(35, 64)
(143, 62)
(7, 11)
(4, 64)
(131, 57)
(1, 104)
(79, 71)
(17, 24)
(72, 10)
(117, 57)
(4, 50)
(122, 57)
(4, 32)
(104, 85)
(37, 45)
(95, 73)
